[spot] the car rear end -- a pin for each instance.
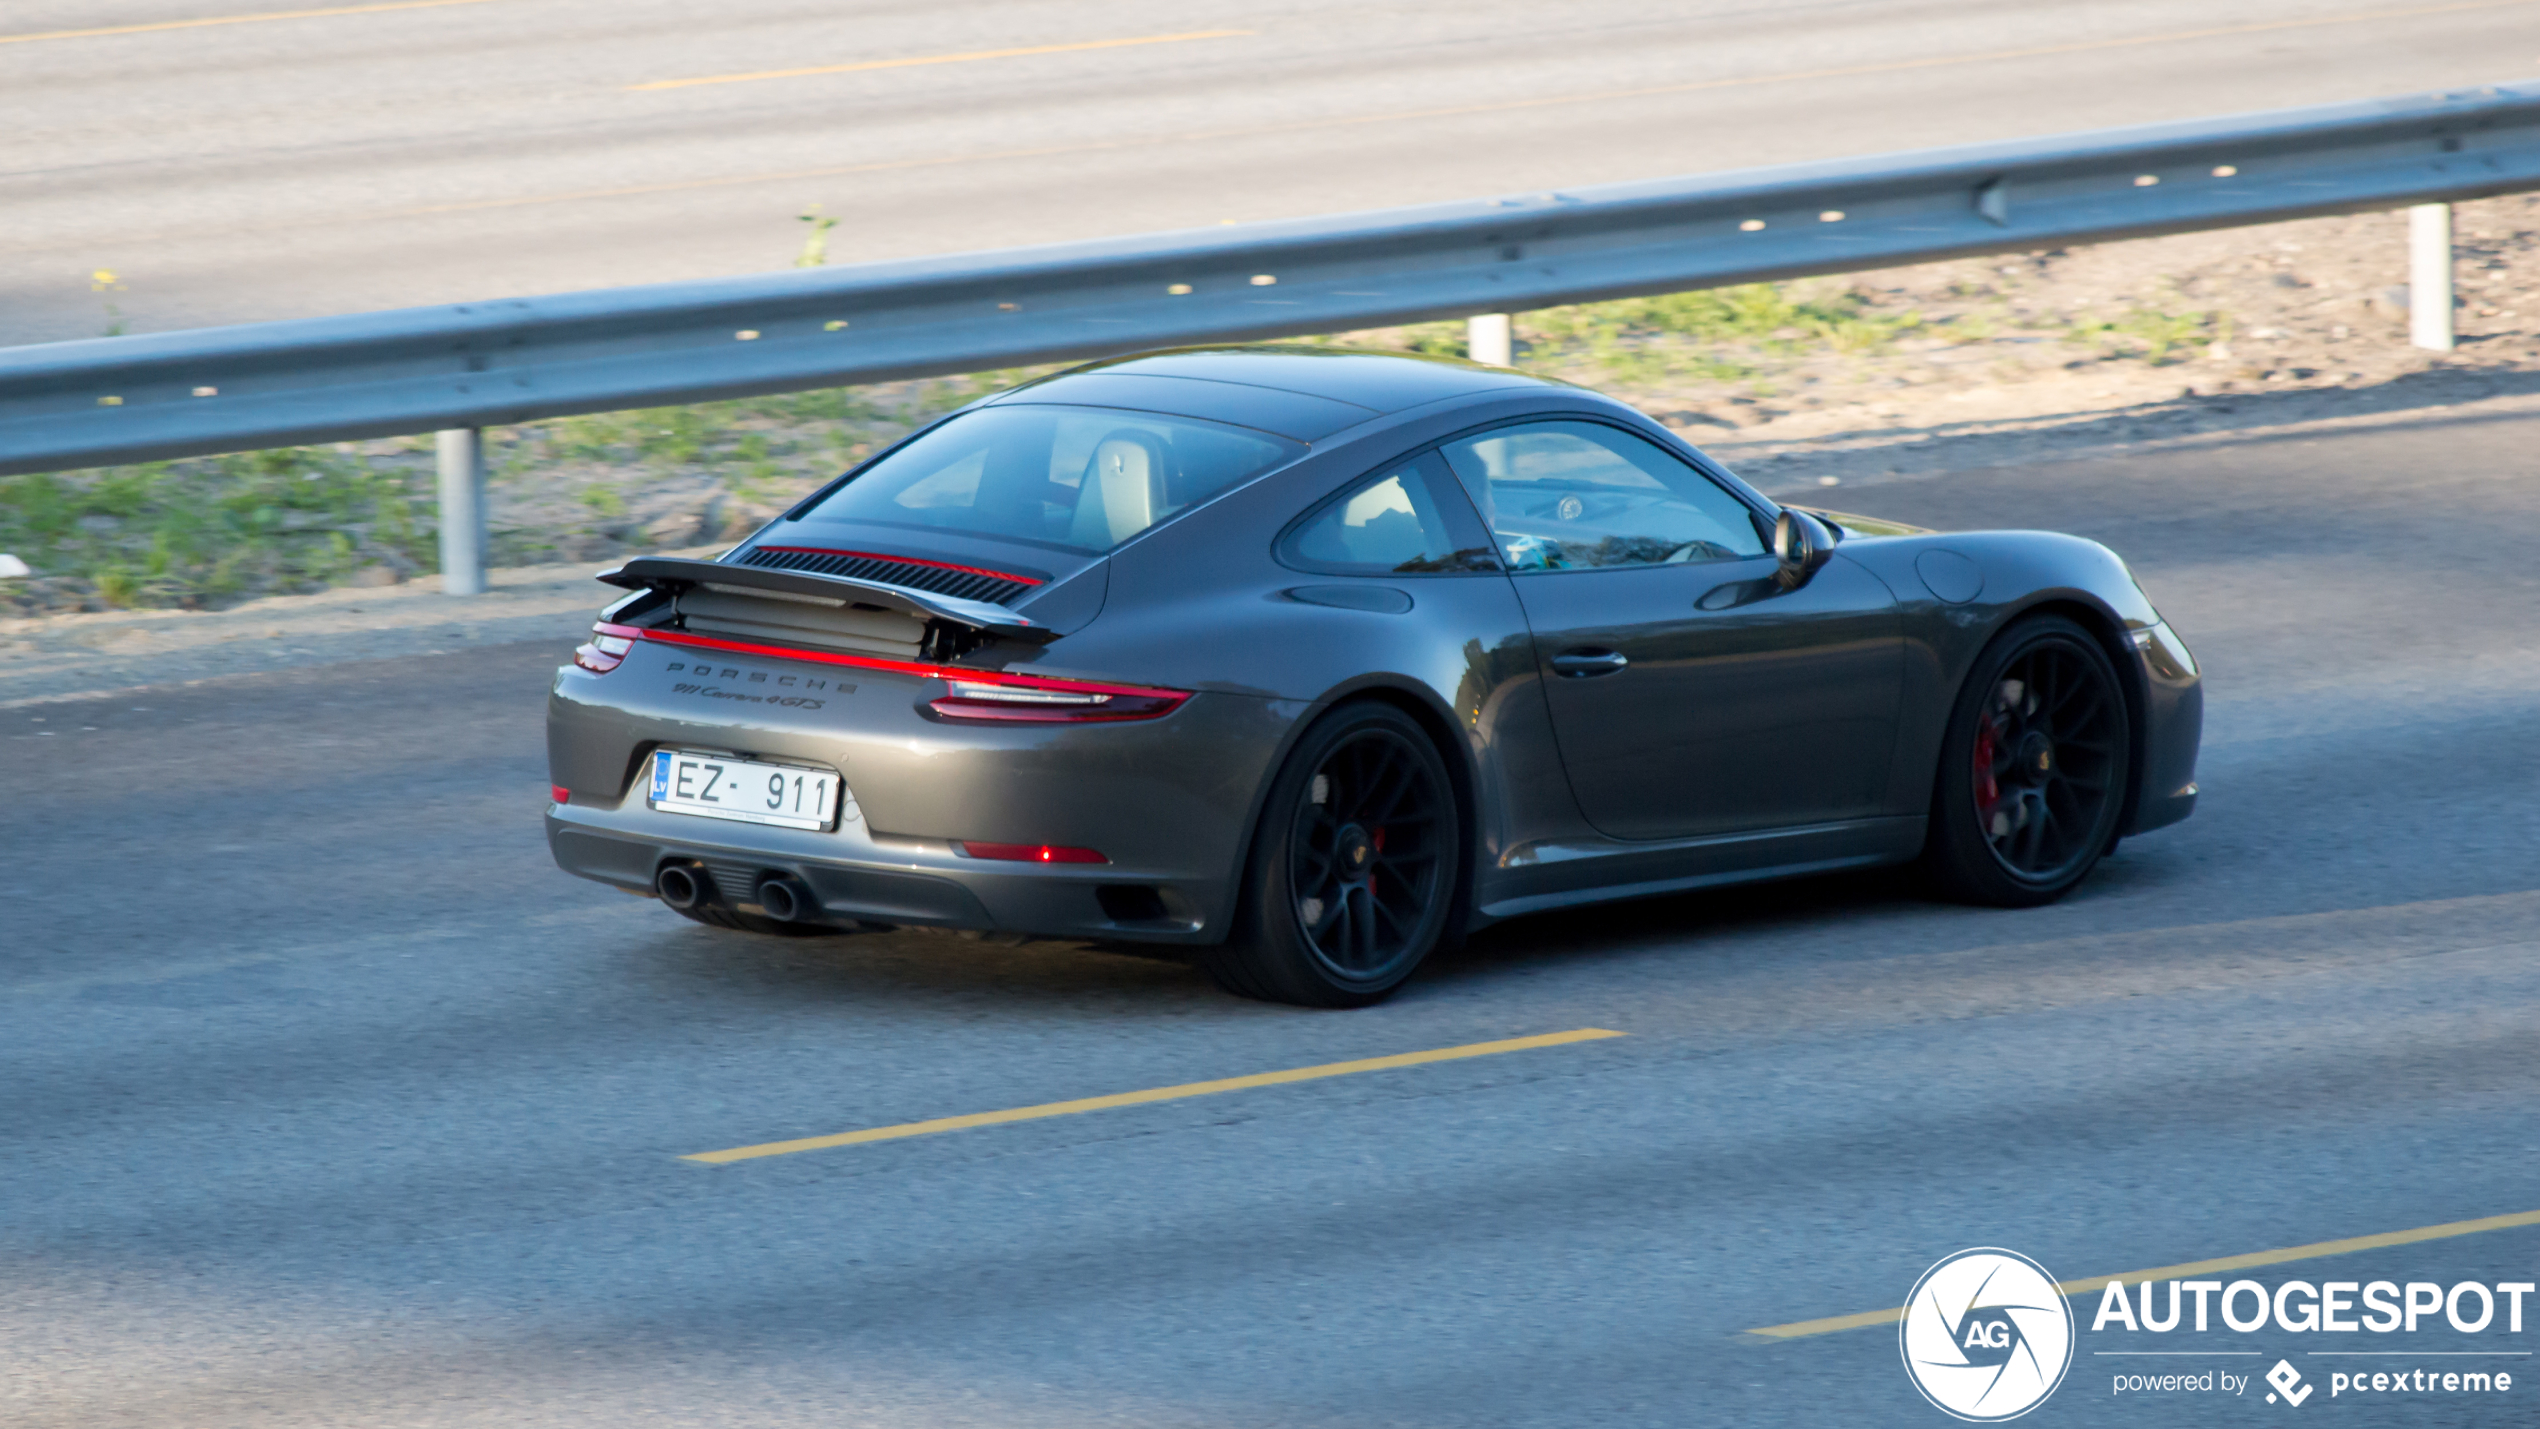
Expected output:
(892, 788)
(869, 706)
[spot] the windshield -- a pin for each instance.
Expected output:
(1080, 477)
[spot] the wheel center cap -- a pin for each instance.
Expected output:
(1357, 851)
(2037, 757)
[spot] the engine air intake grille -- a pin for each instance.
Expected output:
(963, 582)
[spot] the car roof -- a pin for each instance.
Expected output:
(1296, 391)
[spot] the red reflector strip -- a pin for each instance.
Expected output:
(560, 794)
(1028, 853)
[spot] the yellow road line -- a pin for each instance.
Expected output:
(1403, 116)
(1152, 1094)
(236, 20)
(2314, 1251)
(944, 59)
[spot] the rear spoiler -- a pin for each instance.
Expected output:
(673, 574)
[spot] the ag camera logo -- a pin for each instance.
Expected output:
(1986, 1335)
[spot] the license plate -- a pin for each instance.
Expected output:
(787, 795)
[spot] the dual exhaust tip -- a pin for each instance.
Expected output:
(780, 896)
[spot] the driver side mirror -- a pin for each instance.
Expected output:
(1802, 544)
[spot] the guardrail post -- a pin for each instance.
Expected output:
(2430, 276)
(462, 453)
(1487, 339)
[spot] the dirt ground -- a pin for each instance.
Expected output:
(2114, 342)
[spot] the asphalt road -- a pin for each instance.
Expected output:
(447, 150)
(329, 1102)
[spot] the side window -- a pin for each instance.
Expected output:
(1406, 520)
(1580, 495)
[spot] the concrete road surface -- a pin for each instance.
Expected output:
(227, 166)
(329, 1102)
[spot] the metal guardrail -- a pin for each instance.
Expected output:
(469, 365)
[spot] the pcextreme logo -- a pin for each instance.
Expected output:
(1986, 1335)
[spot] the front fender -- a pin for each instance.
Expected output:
(1948, 622)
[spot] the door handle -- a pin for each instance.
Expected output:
(1580, 664)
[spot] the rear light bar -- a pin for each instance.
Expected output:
(977, 696)
(1027, 853)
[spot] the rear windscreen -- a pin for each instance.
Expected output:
(1080, 477)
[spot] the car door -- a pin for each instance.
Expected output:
(1690, 694)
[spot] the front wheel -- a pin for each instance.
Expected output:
(2033, 768)
(1352, 870)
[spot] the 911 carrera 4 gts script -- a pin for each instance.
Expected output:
(717, 692)
(788, 691)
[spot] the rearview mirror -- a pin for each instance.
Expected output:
(1802, 544)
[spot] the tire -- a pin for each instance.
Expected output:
(1354, 868)
(2034, 769)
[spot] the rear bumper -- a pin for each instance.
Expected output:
(1168, 801)
(856, 878)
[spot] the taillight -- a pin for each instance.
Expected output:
(1028, 853)
(604, 653)
(559, 794)
(1032, 700)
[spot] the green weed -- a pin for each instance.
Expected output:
(815, 243)
(103, 282)
(1715, 333)
(2152, 334)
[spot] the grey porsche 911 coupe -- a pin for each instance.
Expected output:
(1315, 660)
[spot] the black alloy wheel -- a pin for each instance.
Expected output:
(2033, 769)
(1353, 868)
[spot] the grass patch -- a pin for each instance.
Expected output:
(1717, 334)
(2157, 336)
(195, 532)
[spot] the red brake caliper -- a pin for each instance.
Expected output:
(1377, 838)
(1988, 790)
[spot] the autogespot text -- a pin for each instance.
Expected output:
(2480, 1366)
